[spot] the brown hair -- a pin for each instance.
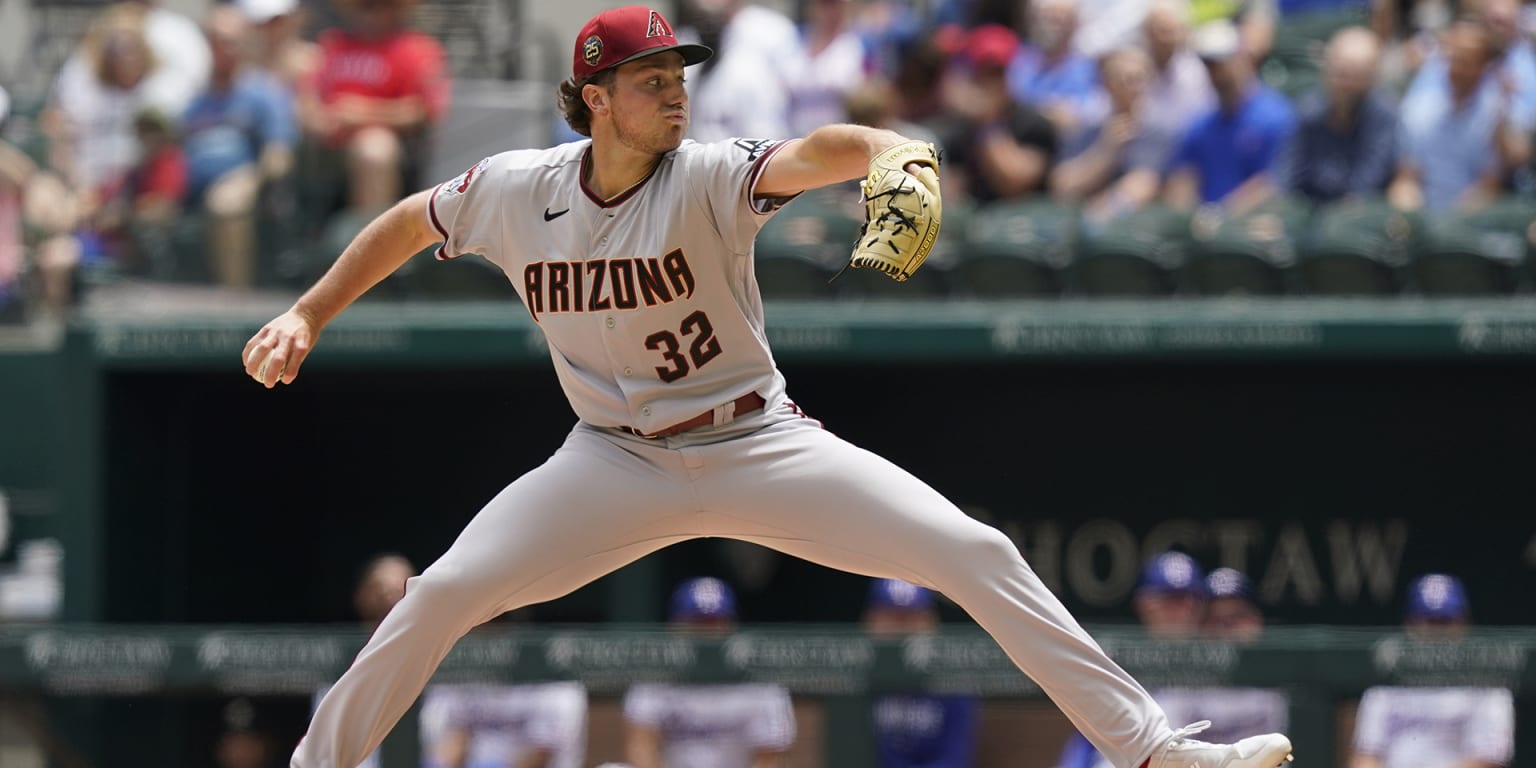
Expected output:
(121, 22)
(574, 108)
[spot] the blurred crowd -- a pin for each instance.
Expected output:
(201, 150)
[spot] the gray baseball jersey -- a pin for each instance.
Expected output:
(681, 252)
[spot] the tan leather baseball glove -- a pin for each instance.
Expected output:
(901, 211)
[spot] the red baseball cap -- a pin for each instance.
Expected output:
(624, 34)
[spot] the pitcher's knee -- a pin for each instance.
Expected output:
(451, 598)
(986, 548)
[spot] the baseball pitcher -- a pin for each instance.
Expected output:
(633, 252)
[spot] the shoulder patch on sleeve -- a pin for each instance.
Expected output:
(754, 147)
(459, 184)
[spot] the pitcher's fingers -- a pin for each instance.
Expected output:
(275, 361)
(250, 356)
(295, 359)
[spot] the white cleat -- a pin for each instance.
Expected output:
(1268, 751)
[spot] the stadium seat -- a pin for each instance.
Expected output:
(801, 247)
(1246, 254)
(1137, 254)
(1356, 247)
(1014, 249)
(1485, 252)
(470, 278)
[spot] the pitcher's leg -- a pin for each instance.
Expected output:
(589, 510)
(812, 495)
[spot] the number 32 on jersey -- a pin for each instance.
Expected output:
(599, 285)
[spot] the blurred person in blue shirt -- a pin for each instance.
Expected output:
(239, 136)
(1511, 60)
(1227, 158)
(917, 731)
(1345, 144)
(1050, 74)
(1461, 137)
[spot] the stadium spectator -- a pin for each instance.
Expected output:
(741, 91)
(1115, 166)
(746, 725)
(1255, 21)
(243, 743)
(1169, 600)
(921, 730)
(1176, 602)
(831, 63)
(1104, 26)
(1179, 85)
(920, 78)
(280, 48)
(1050, 75)
(876, 104)
(369, 109)
(239, 136)
(998, 149)
(380, 584)
(1409, 30)
(176, 57)
(134, 217)
(1459, 138)
(529, 725)
(1345, 144)
(1226, 159)
(888, 28)
(16, 170)
(1511, 60)
(1231, 612)
(1423, 726)
(95, 130)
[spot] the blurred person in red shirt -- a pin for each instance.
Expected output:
(379, 88)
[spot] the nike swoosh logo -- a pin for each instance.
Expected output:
(557, 214)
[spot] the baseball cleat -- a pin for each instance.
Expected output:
(1270, 750)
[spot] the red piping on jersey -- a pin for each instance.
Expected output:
(759, 165)
(802, 414)
(442, 249)
(586, 161)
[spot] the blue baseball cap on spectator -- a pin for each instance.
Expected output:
(702, 598)
(1228, 582)
(900, 595)
(1171, 573)
(1437, 596)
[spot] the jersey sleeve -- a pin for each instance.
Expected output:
(723, 178)
(775, 728)
(645, 704)
(465, 211)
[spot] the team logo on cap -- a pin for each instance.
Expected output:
(658, 27)
(592, 49)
